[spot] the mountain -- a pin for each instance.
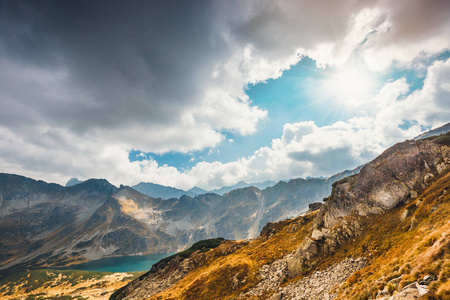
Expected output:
(38, 220)
(73, 181)
(197, 191)
(242, 184)
(48, 225)
(160, 191)
(167, 192)
(383, 233)
(437, 131)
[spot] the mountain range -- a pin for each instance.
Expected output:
(48, 225)
(166, 192)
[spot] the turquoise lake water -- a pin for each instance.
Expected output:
(121, 264)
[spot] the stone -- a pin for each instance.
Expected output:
(428, 178)
(413, 223)
(413, 194)
(317, 235)
(404, 215)
(314, 206)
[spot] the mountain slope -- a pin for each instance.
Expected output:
(383, 232)
(197, 191)
(38, 219)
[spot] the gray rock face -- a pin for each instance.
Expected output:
(386, 181)
(314, 206)
(415, 290)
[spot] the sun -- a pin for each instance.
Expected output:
(351, 86)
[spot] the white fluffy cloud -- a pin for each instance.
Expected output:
(306, 149)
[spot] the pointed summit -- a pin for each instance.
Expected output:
(73, 181)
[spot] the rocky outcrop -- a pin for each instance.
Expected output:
(412, 291)
(314, 206)
(387, 181)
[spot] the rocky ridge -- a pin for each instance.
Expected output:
(389, 180)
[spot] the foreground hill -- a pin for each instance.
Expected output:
(46, 225)
(383, 233)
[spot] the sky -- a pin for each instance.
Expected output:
(210, 93)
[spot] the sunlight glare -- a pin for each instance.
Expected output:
(350, 86)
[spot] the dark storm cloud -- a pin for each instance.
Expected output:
(105, 64)
(118, 61)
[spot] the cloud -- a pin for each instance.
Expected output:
(111, 70)
(306, 149)
(83, 83)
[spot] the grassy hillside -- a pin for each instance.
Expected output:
(229, 275)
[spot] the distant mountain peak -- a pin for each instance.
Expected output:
(243, 184)
(160, 191)
(73, 181)
(93, 185)
(198, 191)
(437, 131)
